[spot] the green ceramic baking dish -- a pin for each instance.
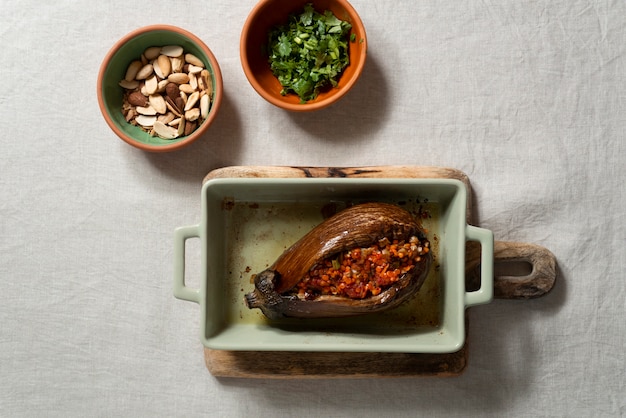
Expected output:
(247, 223)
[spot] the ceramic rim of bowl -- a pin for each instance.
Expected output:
(311, 105)
(215, 73)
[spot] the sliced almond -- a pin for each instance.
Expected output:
(157, 70)
(193, 81)
(192, 100)
(177, 64)
(192, 114)
(152, 52)
(162, 85)
(178, 78)
(193, 60)
(181, 127)
(130, 115)
(164, 131)
(152, 84)
(166, 118)
(132, 70)
(175, 122)
(144, 72)
(146, 110)
(144, 120)
(205, 105)
(129, 85)
(206, 81)
(172, 50)
(158, 103)
(165, 64)
(186, 88)
(195, 69)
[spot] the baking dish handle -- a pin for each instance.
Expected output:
(181, 235)
(485, 293)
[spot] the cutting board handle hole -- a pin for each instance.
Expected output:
(504, 269)
(517, 268)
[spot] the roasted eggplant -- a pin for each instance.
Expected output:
(366, 258)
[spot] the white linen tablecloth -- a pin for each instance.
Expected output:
(526, 97)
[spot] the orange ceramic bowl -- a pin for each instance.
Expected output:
(253, 50)
(113, 69)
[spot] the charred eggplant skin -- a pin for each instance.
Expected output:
(357, 226)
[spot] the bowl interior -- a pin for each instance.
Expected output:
(262, 217)
(114, 68)
(268, 14)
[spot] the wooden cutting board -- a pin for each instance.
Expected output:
(539, 276)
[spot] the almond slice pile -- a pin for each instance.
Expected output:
(167, 92)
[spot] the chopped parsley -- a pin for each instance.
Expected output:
(309, 52)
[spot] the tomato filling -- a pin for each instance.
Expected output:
(362, 272)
